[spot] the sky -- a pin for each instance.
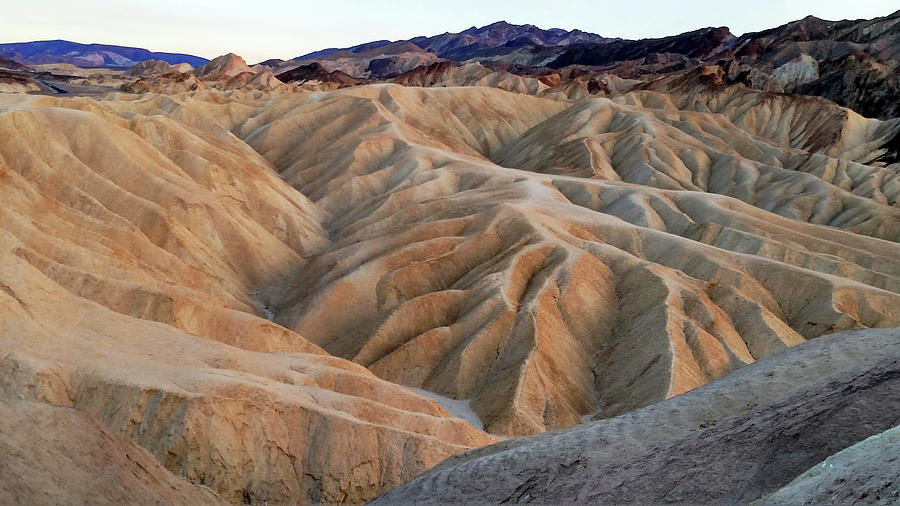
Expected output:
(262, 29)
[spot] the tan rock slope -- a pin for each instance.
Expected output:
(152, 68)
(227, 72)
(733, 441)
(363, 62)
(132, 253)
(15, 84)
(546, 297)
(228, 65)
(54, 455)
(545, 259)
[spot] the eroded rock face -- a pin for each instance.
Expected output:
(135, 260)
(14, 83)
(315, 73)
(545, 259)
(854, 63)
(151, 68)
(228, 65)
(731, 441)
(549, 293)
(54, 455)
(227, 72)
(252, 427)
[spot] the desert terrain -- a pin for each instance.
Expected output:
(505, 265)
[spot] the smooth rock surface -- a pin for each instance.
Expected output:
(865, 473)
(729, 442)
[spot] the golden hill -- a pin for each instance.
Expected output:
(547, 259)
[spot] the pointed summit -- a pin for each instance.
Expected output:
(228, 65)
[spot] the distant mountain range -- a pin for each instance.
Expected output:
(88, 55)
(852, 62)
(532, 46)
(476, 41)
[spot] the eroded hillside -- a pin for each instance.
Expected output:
(550, 260)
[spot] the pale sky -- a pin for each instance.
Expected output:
(262, 29)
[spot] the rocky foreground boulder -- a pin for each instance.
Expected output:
(863, 473)
(732, 441)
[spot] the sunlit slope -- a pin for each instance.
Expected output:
(480, 261)
(547, 259)
(136, 255)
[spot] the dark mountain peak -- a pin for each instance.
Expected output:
(721, 31)
(496, 25)
(505, 26)
(368, 46)
(476, 42)
(479, 41)
(697, 44)
(813, 23)
(808, 28)
(316, 71)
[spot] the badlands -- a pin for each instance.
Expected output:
(448, 273)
